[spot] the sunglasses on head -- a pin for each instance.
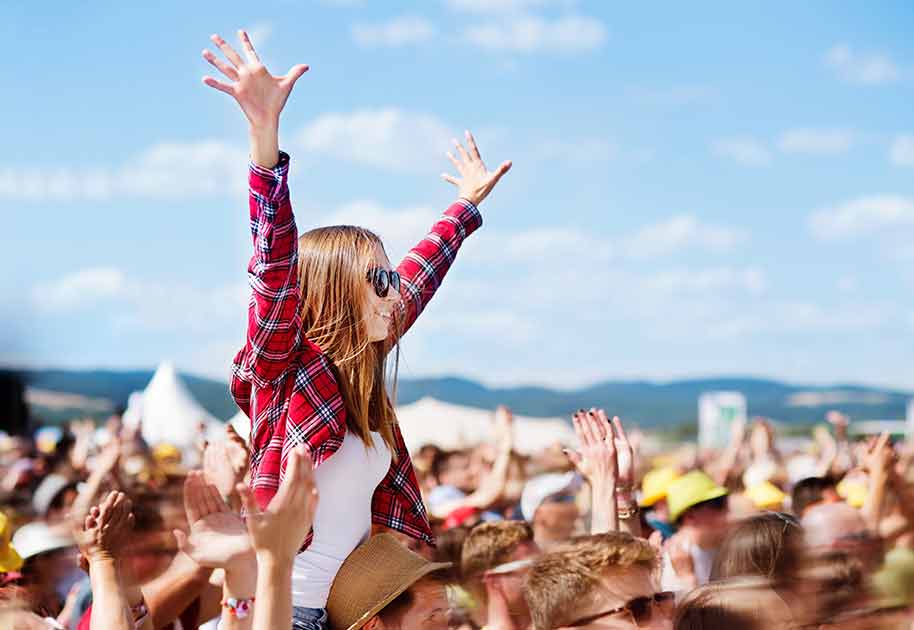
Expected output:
(382, 280)
(641, 609)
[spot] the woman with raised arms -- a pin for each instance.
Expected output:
(327, 309)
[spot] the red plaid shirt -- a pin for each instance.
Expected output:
(285, 384)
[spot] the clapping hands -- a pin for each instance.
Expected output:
(278, 531)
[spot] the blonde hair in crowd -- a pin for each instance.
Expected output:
(332, 266)
(561, 580)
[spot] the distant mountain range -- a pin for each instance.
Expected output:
(646, 403)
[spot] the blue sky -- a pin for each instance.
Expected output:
(697, 190)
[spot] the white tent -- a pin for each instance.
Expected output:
(168, 410)
(449, 426)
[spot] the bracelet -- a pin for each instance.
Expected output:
(239, 608)
(627, 511)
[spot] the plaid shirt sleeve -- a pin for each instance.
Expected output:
(424, 267)
(274, 319)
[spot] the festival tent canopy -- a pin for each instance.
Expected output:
(168, 411)
(450, 426)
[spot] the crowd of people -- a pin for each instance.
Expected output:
(319, 517)
(102, 531)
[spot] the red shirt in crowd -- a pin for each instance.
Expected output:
(286, 384)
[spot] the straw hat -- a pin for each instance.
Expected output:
(372, 576)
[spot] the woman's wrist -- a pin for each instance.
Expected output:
(264, 140)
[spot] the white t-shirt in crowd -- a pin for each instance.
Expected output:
(346, 483)
(702, 561)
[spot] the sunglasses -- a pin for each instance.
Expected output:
(641, 610)
(382, 280)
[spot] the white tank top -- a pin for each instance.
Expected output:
(346, 483)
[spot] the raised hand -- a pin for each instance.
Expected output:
(597, 459)
(217, 536)
(475, 181)
(260, 95)
(504, 429)
(278, 531)
(225, 463)
(106, 529)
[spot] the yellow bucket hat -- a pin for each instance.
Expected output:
(853, 491)
(766, 496)
(691, 489)
(9, 559)
(655, 484)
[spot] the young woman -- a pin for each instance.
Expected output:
(327, 309)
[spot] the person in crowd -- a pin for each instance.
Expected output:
(839, 527)
(548, 503)
(768, 545)
(493, 563)
(384, 585)
(102, 539)
(698, 508)
(812, 491)
(49, 567)
(459, 486)
(741, 604)
(327, 309)
(603, 580)
(654, 488)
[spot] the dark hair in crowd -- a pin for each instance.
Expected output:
(809, 491)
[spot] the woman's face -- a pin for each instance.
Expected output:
(379, 312)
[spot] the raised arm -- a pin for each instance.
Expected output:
(102, 539)
(424, 267)
(274, 323)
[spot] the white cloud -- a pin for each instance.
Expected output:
(743, 150)
(169, 170)
(864, 215)
(260, 33)
(390, 138)
(139, 304)
(816, 141)
(80, 288)
(530, 34)
(711, 280)
(862, 69)
(678, 233)
(399, 228)
(902, 152)
(400, 31)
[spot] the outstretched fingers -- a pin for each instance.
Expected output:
(228, 51)
(471, 144)
(220, 65)
(218, 85)
(248, 47)
(294, 74)
(464, 156)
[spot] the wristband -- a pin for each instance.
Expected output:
(239, 608)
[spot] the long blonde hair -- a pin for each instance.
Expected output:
(333, 263)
